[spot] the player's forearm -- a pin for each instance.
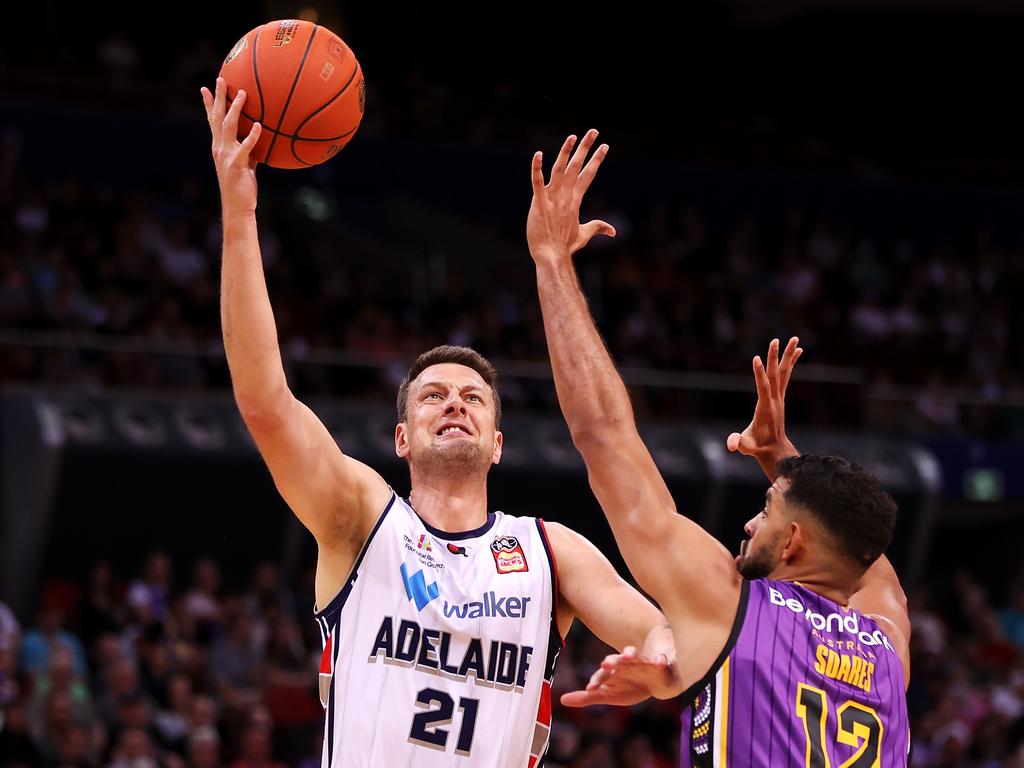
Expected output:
(250, 335)
(591, 393)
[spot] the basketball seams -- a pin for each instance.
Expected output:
(298, 130)
(256, 76)
(291, 92)
(326, 104)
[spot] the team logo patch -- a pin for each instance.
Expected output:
(424, 542)
(508, 555)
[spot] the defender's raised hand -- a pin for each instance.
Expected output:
(765, 437)
(236, 170)
(553, 228)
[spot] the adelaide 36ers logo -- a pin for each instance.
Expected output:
(508, 555)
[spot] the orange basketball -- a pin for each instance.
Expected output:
(303, 85)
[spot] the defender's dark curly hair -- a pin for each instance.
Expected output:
(849, 501)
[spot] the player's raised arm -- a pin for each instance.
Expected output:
(335, 496)
(688, 572)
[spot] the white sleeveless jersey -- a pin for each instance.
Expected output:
(440, 648)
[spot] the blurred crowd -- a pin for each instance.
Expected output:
(166, 672)
(675, 291)
(966, 696)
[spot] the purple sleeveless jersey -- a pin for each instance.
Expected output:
(802, 682)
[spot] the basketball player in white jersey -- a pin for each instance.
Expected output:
(441, 621)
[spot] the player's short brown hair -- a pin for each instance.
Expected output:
(450, 354)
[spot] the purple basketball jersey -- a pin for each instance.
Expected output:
(802, 681)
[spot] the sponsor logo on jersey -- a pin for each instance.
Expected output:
(417, 589)
(491, 607)
(508, 555)
(848, 623)
(457, 550)
(492, 663)
(422, 547)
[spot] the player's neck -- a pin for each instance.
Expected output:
(450, 504)
(824, 581)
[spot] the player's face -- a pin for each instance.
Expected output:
(762, 552)
(450, 426)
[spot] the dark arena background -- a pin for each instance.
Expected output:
(848, 171)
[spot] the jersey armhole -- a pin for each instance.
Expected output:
(550, 552)
(338, 601)
(741, 611)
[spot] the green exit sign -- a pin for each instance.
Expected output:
(984, 484)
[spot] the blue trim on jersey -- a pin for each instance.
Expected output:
(330, 720)
(458, 535)
(338, 602)
(555, 640)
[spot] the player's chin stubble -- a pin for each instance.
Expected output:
(450, 460)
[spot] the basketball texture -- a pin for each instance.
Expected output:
(303, 85)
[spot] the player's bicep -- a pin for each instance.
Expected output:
(332, 494)
(671, 557)
(594, 592)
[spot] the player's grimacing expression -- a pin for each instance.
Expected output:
(762, 552)
(450, 421)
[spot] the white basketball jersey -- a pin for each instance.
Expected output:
(440, 648)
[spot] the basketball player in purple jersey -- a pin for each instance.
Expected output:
(794, 653)
(441, 620)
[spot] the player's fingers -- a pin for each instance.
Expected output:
(217, 113)
(231, 118)
(580, 699)
(593, 228)
(773, 367)
(207, 101)
(249, 142)
(572, 170)
(789, 358)
(744, 444)
(589, 172)
(558, 170)
(537, 173)
(764, 389)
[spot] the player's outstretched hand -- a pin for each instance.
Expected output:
(625, 679)
(236, 170)
(765, 438)
(553, 228)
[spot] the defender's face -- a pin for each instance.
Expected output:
(761, 554)
(450, 421)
